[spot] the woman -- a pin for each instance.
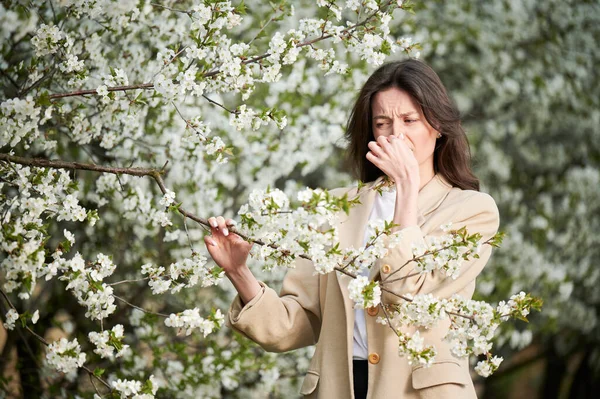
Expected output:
(403, 125)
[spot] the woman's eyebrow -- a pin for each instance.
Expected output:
(386, 117)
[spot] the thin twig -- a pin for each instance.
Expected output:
(128, 281)
(187, 123)
(172, 9)
(170, 61)
(399, 278)
(220, 105)
(138, 308)
(187, 233)
(389, 319)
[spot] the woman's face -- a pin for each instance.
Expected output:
(395, 112)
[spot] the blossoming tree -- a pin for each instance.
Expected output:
(124, 124)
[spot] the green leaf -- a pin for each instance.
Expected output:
(44, 99)
(241, 8)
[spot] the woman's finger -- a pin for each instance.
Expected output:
(212, 221)
(208, 240)
(382, 141)
(373, 159)
(376, 149)
(222, 226)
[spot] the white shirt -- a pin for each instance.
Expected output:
(383, 208)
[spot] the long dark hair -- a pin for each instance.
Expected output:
(452, 155)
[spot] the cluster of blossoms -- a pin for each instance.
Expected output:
(447, 252)
(133, 389)
(10, 318)
(364, 293)
(473, 324)
(135, 203)
(422, 311)
(198, 142)
(183, 274)
(301, 232)
(87, 283)
(49, 39)
(487, 367)
(108, 341)
(413, 347)
(190, 320)
(19, 119)
(65, 355)
(291, 233)
(118, 77)
(39, 196)
(380, 240)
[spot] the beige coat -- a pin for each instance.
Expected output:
(316, 309)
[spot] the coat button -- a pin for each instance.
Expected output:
(374, 358)
(373, 310)
(386, 268)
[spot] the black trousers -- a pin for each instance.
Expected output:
(361, 378)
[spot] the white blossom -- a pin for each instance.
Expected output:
(11, 317)
(65, 356)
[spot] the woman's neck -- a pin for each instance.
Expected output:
(425, 175)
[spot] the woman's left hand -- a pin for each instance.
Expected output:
(396, 159)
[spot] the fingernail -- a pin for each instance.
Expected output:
(212, 242)
(213, 224)
(225, 231)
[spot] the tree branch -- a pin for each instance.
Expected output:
(154, 173)
(93, 91)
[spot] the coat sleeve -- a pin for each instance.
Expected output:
(479, 214)
(283, 322)
(287, 321)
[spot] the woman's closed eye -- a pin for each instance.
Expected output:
(410, 120)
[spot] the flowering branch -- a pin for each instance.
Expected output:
(154, 173)
(41, 339)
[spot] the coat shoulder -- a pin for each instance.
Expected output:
(472, 202)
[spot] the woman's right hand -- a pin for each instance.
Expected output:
(229, 250)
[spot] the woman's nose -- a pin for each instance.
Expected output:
(397, 129)
(398, 132)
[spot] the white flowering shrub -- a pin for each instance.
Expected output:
(123, 125)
